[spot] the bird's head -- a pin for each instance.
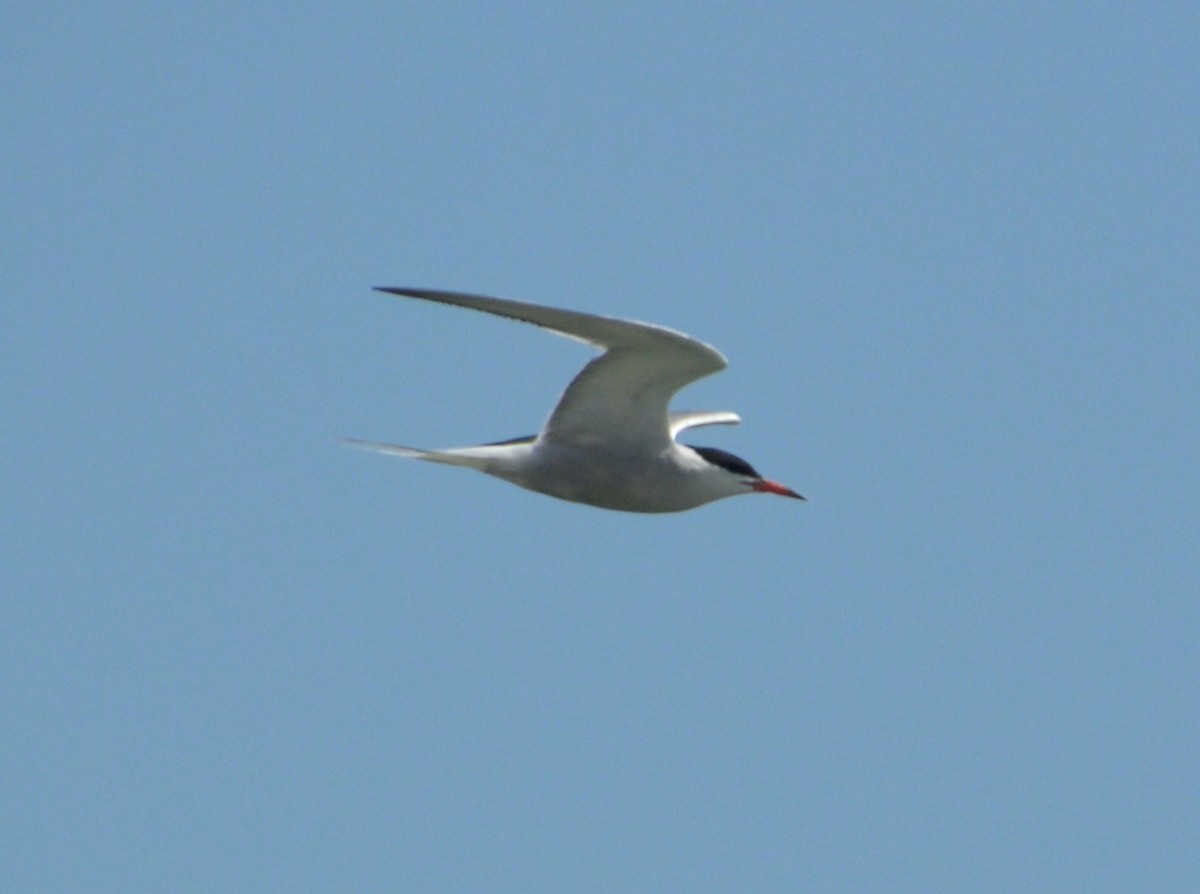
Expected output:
(741, 476)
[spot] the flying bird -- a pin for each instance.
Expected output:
(610, 441)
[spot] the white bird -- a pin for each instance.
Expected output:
(610, 441)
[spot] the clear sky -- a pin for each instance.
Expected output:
(951, 251)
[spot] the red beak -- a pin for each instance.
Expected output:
(774, 487)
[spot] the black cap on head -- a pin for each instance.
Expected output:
(727, 461)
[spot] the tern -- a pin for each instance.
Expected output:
(610, 441)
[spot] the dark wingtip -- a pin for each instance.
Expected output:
(408, 292)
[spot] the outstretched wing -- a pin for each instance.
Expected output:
(677, 422)
(620, 396)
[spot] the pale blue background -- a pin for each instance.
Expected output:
(951, 251)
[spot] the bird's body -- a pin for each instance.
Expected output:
(610, 441)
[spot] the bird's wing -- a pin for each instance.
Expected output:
(622, 395)
(677, 422)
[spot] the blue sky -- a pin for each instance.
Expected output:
(951, 254)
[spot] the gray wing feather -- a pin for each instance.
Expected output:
(623, 394)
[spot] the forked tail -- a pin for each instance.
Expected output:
(472, 457)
